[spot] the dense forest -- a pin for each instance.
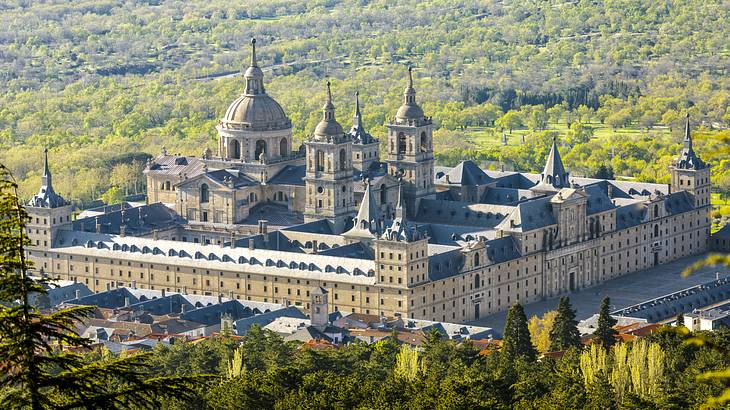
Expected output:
(105, 84)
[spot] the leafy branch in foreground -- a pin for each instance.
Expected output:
(37, 371)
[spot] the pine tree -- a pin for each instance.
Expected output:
(564, 334)
(605, 334)
(516, 342)
(37, 372)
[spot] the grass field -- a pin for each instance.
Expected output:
(485, 136)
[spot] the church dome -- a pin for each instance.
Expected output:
(257, 112)
(255, 109)
(328, 126)
(409, 111)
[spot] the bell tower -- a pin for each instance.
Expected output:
(689, 173)
(329, 172)
(410, 148)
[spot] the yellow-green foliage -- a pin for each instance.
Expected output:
(409, 364)
(235, 364)
(592, 362)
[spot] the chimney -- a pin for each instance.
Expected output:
(78, 294)
(610, 191)
(185, 290)
(97, 225)
(230, 294)
(108, 286)
(314, 246)
(183, 307)
(233, 240)
(134, 284)
(126, 301)
(263, 226)
(163, 292)
(251, 245)
(220, 298)
(155, 235)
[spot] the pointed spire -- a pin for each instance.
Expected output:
(46, 196)
(357, 104)
(369, 219)
(399, 208)
(688, 159)
(410, 77)
(46, 170)
(409, 95)
(409, 110)
(554, 173)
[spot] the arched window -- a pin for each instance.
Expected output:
(343, 159)
(319, 161)
(477, 281)
(383, 194)
(260, 148)
(234, 151)
(656, 230)
(476, 261)
(401, 143)
(204, 193)
(424, 142)
(283, 148)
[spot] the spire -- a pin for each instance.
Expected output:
(409, 95)
(328, 111)
(358, 128)
(46, 196)
(369, 219)
(409, 110)
(253, 53)
(253, 75)
(46, 178)
(328, 127)
(554, 173)
(688, 159)
(399, 211)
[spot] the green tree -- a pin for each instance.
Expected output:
(540, 330)
(510, 120)
(113, 195)
(38, 372)
(605, 334)
(516, 341)
(564, 333)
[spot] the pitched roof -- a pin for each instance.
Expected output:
(46, 196)
(289, 175)
(688, 159)
(369, 220)
(466, 173)
(553, 175)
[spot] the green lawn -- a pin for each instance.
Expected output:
(486, 136)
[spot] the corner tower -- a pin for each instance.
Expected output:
(329, 173)
(410, 148)
(689, 173)
(49, 213)
(254, 127)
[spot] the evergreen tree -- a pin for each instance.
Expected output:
(680, 319)
(605, 334)
(516, 342)
(37, 372)
(564, 334)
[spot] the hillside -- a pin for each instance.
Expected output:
(107, 83)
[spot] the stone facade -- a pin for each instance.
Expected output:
(412, 240)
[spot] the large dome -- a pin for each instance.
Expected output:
(257, 112)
